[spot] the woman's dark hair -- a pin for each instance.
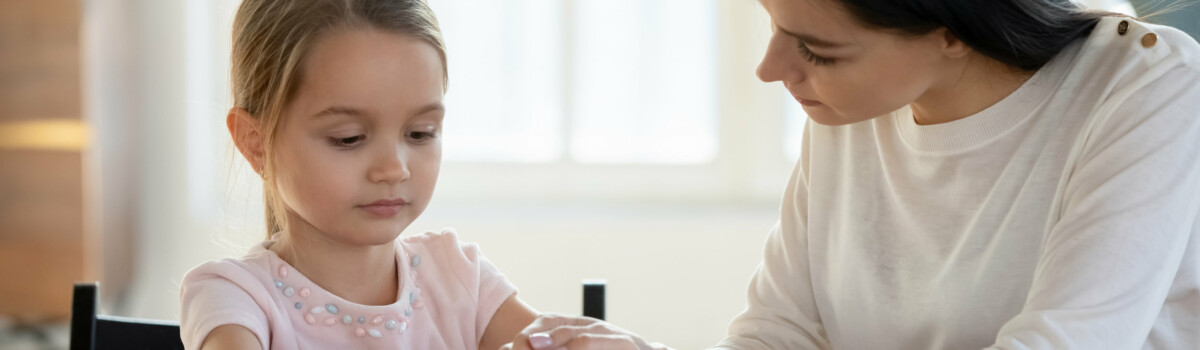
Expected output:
(1021, 33)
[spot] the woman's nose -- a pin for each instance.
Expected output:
(777, 64)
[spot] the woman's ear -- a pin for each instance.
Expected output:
(247, 136)
(951, 46)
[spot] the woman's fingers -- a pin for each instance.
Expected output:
(592, 336)
(553, 332)
(592, 341)
(545, 323)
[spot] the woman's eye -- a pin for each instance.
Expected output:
(346, 142)
(812, 57)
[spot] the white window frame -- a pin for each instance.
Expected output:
(751, 164)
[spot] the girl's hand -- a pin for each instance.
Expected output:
(551, 331)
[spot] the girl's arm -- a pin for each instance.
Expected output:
(232, 336)
(512, 316)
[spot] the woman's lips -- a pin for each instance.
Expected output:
(808, 103)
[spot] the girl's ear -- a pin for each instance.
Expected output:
(246, 136)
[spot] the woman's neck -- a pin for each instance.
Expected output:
(978, 82)
(359, 274)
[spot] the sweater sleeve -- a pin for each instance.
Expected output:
(781, 311)
(1128, 210)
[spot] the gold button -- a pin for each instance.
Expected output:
(1149, 39)
(1123, 27)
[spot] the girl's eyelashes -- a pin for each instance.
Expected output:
(416, 136)
(422, 136)
(812, 57)
(347, 142)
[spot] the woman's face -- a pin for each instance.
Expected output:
(841, 71)
(360, 145)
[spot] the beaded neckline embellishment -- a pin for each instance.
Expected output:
(330, 315)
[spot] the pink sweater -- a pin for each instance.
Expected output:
(448, 294)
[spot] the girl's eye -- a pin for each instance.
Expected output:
(812, 57)
(421, 136)
(346, 142)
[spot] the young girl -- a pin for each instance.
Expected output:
(338, 106)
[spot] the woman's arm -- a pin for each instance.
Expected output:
(512, 316)
(1128, 211)
(231, 337)
(781, 311)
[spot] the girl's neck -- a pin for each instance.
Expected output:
(359, 274)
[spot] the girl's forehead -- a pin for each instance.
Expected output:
(369, 70)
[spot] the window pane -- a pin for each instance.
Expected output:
(505, 97)
(644, 81)
(793, 125)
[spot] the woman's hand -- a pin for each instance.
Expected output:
(551, 331)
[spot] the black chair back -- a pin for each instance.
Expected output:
(93, 331)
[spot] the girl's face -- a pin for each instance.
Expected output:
(841, 71)
(359, 148)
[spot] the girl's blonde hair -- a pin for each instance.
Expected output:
(270, 41)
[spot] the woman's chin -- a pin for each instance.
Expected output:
(827, 116)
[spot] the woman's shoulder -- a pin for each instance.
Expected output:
(1128, 47)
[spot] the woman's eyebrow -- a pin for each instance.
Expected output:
(810, 40)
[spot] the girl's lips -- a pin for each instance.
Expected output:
(387, 210)
(385, 207)
(397, 201)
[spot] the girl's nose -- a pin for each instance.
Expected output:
(390, 167)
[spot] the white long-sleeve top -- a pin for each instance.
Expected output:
(1062, 217)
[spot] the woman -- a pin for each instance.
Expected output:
(1017, 174)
